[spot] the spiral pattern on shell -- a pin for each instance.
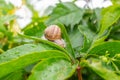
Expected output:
(53, 32)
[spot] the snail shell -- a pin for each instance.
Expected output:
(53, 32)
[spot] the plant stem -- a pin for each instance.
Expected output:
(79, 73)
(68, 43)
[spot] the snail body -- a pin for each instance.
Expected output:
(60, 42)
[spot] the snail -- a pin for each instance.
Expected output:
(60, 42)
(53, 33)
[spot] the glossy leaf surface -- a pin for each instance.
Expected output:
(110, 48)
(66, 13)
(109, 16)
(53, 69)
(24, 55)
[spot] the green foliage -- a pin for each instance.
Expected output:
(76, 39)
(24, 55)
(109, 52)
(68, 43)
(115, 1)
(110, 16)
(59, 67)
(100, 69)
(17, 75)
(88, 36)
(92, 39)
(110, 48)
(66, 13)
(35, 29)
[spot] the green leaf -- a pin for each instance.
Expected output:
(98, 17)
(22, 50)
(24, 55)
(35, 29)
(17, 75)
(115, 33)
(66, 13)
(86, 32)
(109, 52)
(102, 71)
(53, 69)
(76, 38)
(88, 37)
(100, 38)
(115, 1)
(1, 35)
(115, 36)
(7, 18)
(2, 28)
(3, 20)
(116, 61)
(109, 16)
(43, 41)
(110, 48)
(67, 41)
